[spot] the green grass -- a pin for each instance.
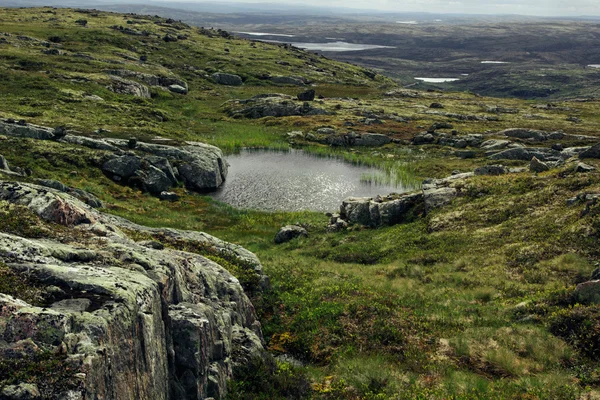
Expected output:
(469, 302)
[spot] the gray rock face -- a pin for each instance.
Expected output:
(138, 321)
(227, 79)
(126, 86)
(82, 195)
(592, 152)
(290, 232)
(538, 166)
(123, 167)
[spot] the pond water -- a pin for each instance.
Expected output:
(438, 80)
(594, 65)
(336, 46)
(295, 180)
(495, 62)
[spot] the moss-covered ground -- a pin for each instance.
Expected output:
(472, 301)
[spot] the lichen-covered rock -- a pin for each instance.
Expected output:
(379, 212)
(588, 292)
(123, 167)
(288, 80)
(493, 170)
(134, 321)
(527, 153)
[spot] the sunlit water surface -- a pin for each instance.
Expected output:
(295, 180)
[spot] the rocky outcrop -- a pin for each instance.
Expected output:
(290, 232)
(151, 167)
(272, 106)
(131, 319)
(527, 153)
(540, 136)
(397, 208)
(592, 152)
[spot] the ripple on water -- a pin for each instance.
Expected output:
(295, 180)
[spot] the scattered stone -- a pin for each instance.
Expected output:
(423, 138)
(493, 170)
(538, 166)
(520, 133)
(295, 134)
(271, 106)
(583, 168)
(558, 147)
(436, 105)
(465, 154)
(308, 95)
(227, 79)
(132, 143)
(178, 89)
(290, 232)
(60, 132)
(168, 196)
(527, 153)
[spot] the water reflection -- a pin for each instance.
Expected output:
(295, 180)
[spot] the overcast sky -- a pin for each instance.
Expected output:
(524, 7)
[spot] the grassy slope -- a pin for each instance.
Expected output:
(460, 304)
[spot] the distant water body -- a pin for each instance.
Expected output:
(438, 80)
(295, 180)
(265, 34)
(337, 46)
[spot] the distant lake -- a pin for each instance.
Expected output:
(334, 46)
(495, 62)
(295, 180)
(265, 34)
(437, 80)
(594, 65)
(407, 22)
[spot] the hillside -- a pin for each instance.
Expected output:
(480, 284)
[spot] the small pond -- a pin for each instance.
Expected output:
(295, 180)
(438, 80)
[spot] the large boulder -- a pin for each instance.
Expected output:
(538, 166)
(495, 144)
(227, 79)
(387, 211)
(493, 170)
(588, 292)
(290, 232)
(520, 133)
(153, 180)
(150, 322)
(308, 95)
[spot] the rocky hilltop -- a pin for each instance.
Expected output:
(126, 319)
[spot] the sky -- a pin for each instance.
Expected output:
(523, 7)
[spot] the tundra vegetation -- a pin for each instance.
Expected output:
(473, 300)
